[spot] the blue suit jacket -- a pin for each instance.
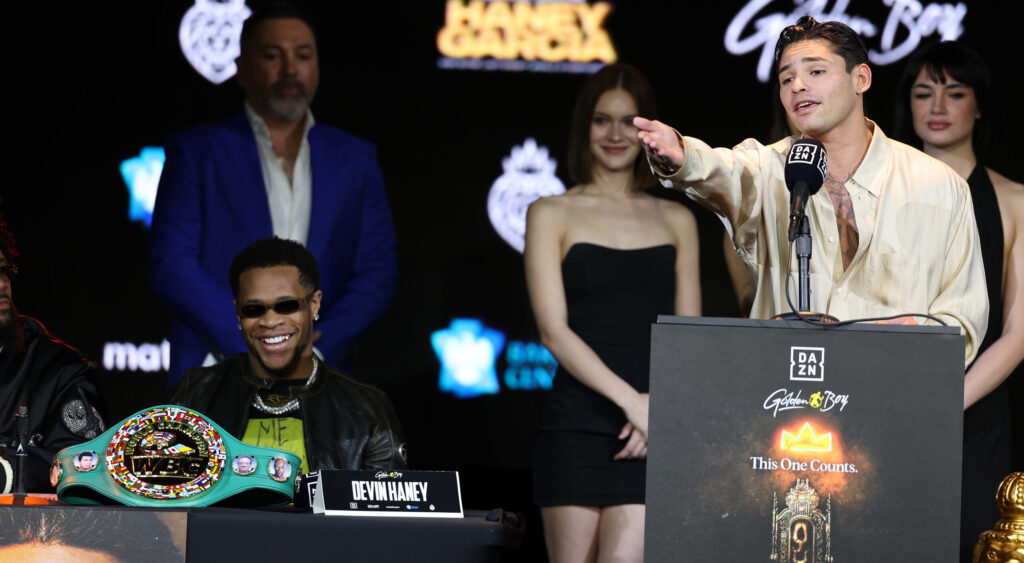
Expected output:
(212, 203)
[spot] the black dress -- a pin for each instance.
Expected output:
(987, 425)
(612, 297)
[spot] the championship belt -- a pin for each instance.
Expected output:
(172, 456)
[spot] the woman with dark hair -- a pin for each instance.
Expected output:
(946, 109)
(602, 261)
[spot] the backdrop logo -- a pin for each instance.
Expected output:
(142, 175)
(537, 36)
(467, 351)
(806, 364)
(908, 22)
(529, 175)
(210, 36)
(530, 366)
(125, 356)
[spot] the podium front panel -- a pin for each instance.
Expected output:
(770, 441)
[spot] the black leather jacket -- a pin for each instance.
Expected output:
(347, 425)
(59, 387)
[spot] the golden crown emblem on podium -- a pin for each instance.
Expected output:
(806, 440)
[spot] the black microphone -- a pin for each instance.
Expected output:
(805, 172)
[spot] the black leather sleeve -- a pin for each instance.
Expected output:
(386, 449)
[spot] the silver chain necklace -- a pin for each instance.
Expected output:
(290, 405)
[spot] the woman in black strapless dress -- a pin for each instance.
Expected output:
(946, 89)
(602, 261)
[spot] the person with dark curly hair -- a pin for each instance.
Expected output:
(869, 258)
(41, 372)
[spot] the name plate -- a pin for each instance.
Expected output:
(420, 494)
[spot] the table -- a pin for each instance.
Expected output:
(285, 534)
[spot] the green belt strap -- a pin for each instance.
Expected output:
(173, 456)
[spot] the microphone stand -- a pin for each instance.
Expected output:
(803, 256)
(22, 452)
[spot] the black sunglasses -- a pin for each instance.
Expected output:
(284, 307)
(8, 271)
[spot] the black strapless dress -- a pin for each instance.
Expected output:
(612, 297)
(987, 424)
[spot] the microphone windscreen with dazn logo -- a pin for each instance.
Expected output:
(806, 166)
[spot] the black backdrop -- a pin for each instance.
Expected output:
(92, 83)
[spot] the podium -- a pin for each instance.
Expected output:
(780, 441)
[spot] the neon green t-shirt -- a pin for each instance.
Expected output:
(284, 431)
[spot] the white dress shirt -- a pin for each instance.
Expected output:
(291, 202)
(918, 250)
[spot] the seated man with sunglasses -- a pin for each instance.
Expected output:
(279, 394)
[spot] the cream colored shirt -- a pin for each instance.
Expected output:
(291, 203)
(918, 250)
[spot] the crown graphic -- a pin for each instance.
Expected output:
(530, 158)
(806, 441)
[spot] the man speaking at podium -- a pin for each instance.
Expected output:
(893, 230)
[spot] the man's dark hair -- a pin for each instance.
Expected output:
(963, 65)
(270, 252)
(7, 245)
(126, 536)
(273, 11)
(86, 454)
(845, 41)
(611, 77)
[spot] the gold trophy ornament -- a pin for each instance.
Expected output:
(801, 532)
(1005, 544)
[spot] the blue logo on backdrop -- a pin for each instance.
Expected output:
(467, 351)
(530, 366)
(142, 174)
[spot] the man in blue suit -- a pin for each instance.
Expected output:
(270, 171)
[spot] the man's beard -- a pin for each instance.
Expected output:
(11, 333)
(292, 106)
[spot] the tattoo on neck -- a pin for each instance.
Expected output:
(832, 183)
